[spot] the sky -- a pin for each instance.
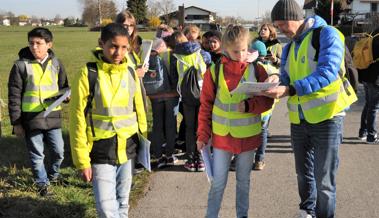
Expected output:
(247, 9)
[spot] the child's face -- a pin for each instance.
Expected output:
(265, 32)
(238, 50)
(192, 36)
(39, 47)
(128, 24)
(214, 44)
(114, 49)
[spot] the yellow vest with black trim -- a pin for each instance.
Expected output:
(135, 60)
(325, 103)
(40, 85)
(184, 62)
(226, 119)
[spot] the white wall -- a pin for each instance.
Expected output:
(361, 7)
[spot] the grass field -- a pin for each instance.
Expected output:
(17, 193)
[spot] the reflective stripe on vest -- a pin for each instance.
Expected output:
(225, 116)
(324, 103)
(40, 85)
(113, 110)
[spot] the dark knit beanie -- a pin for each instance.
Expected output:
(286, 10)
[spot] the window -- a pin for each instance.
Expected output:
(374, 7)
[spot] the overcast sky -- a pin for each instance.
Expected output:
(247, 9)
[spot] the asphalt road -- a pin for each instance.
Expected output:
(173, 192)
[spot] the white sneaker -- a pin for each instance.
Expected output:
(303, 214)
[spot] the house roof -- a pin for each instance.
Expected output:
(309, 4)
(174, 12)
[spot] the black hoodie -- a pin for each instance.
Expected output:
(16, 88)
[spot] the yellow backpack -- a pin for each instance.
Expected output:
(362, 52)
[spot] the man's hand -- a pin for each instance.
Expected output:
(19, 130)
(277, 92)
(86, 174)
(272, 79)
(200, 145)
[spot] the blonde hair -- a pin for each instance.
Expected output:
(273, 35)
(179, 37)
(234, 34)
(191, 29)
(121, 18)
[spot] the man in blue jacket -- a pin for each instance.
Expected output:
(318, 94)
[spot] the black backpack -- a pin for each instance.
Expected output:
(93, 74)
(351, 72)
(190, 88)
(156, 79)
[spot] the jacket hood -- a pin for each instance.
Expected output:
(186, 48)
(310, 23)
(26, 54)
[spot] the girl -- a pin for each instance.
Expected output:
(267, 34)
(231, 121)
(189, 54)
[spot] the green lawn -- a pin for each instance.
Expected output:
(17, 194)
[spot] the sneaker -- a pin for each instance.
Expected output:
(362, 137)
(200, 166)
(43, 190)
(376, 141)
(232, 166)
(303, 214)
(190, 165)
(58, 180)
(259, 165)
(171, 160)
(162, 162)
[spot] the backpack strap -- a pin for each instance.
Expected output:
(92, 75)
(316, 41)
(217, 74)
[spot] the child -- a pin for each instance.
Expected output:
(189, 54)
(36, 76)
(232, 122)
(214, 39)
(160, 86)
(192, 33)
(104, 136)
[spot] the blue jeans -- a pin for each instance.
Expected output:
(316, 160)
(221, 164)
(111, 187)
(368, 117)
(260, 154)
(35, 142)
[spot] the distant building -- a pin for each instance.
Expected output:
(365, 6)
(6, 22)
(192, 15)
(309, 6)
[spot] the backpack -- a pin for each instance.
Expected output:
(362, 52)
(156, 79)
(351, 72)
(92, 75)
(190, 88)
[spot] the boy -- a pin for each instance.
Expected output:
(36, 76)
(103, 145)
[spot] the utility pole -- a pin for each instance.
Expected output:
(331, 12)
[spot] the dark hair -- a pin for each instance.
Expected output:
(112, 30)
(214, 33)
(41, 32)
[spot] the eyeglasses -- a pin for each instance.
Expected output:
(127, 26)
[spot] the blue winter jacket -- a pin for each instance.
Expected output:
(187, 48)
(331, 54)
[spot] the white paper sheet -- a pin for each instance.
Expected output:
(66, 92)
(144, 152)
(253, 87)
(208, 161)
(146, 50)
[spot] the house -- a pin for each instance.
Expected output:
(364, 6)
(309, 6)
(6, 22)
(203, 18)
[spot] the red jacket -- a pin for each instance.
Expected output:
(233, 72)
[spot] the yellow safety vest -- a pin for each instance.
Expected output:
(40, 85)
(326, 102)
(112, 110)
(184, 62)
(226, 119)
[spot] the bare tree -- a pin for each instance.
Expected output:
(153, 9)
(96, 10)
(166, 7)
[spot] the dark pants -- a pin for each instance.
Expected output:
(164, 125)
(368, 117)
(190, 114)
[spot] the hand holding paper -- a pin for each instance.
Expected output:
(253, 87)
